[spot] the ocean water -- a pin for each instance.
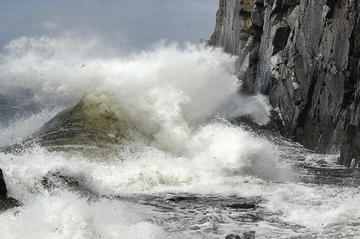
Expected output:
(146, 149)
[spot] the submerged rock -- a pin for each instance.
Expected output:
(245, 235)
(9, 203)
(305, 55)
(242, 206)
(248, 235)
(58, 180)
(232, 236)
(182, 198)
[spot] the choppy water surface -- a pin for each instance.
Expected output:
(144, 150)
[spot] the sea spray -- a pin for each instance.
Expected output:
(164, 92)
(164, 113)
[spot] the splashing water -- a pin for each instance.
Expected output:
(175, 167)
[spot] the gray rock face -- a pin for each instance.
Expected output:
(305, 56)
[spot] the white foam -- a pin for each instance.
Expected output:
(67, 216)
(210, 170)
(163, 98)
(166, 99)
(217, 153)
(320, 208)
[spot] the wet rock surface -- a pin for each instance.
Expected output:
(58, 180)
(232, 236)
(5, 201)
(245, 235)
(305, 56)
(3, 190)
(242, 206)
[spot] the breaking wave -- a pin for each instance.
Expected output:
(153, 122)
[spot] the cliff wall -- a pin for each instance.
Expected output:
(305, 56)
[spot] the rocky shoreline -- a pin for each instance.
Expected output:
(305, 56)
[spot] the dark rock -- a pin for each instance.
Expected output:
(56, 180)
(3, 190)
(242, 206)
(232, 236)
(257, 16)
(182, 198)
(5, 201)
(331, 5)
(245, 235)
(9, 203)
(305, 55)
(280, 38)
(248, 235)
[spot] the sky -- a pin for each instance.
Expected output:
(134, 23)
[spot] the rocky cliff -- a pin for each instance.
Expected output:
(305, 56)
